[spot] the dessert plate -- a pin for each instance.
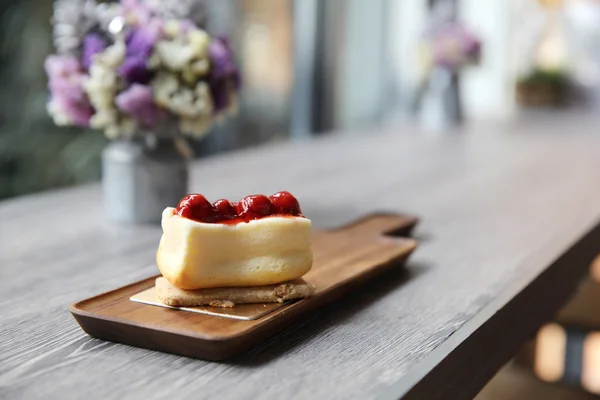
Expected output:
(344, 259)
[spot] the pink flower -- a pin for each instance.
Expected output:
(78, 113)
(186, 25)
(454, 46)
(61, 65)
(65, 81)
(137, 102)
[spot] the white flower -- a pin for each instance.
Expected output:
(127, 126)
(189, 52)
(112, 132)
(203, 102)
(164, 86)
(102, 76)
(101, 86)
(182, 100)
(182, 103)
(173, 54)
(100, 97)
(200, 67)
(113, 55)
(196, 127)
(199, 40)
(113, 123)
(193, 70)
(172, 27)
(198, 123)
(104, 118)
(58, 115)
(154, 61)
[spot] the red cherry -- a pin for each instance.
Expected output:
(195, 206)
(225, 208)
(257, 204)
(285, 203)
(192, 200)
(185, 212)
(187, 200)
(239, 207)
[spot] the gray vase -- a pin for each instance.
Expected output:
(441, 104)
(139, 181)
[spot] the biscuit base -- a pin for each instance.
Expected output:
(171, 295)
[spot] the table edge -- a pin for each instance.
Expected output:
(440, 373)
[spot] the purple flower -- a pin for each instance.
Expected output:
(221, 59)
(224, 75)
(219, 91)
(140, 44)
(137, 102)
(135, 70)
(65, 81)
(92, 44)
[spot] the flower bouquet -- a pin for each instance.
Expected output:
(145, 73)
(135, 70)
(451, 46)
(446, 48)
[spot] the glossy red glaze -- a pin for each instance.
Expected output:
(285, 203)
(197, 208)
(225, 208)
(257, 205)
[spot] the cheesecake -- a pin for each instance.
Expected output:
(257, 241)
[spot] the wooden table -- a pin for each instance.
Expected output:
(510, 221)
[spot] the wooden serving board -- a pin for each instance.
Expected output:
(343, 259)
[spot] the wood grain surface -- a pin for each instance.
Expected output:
(499, 205)
(344, 259)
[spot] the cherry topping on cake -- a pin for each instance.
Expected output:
(225, 208)
(256, 204)
(285, 203)
(197, 208)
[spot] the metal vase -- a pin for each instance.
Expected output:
(441, 105)
(139, 181)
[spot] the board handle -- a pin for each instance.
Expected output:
(391, 224)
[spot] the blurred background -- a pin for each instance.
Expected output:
(310, 67)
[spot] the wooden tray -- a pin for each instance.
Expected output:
(343, 259)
